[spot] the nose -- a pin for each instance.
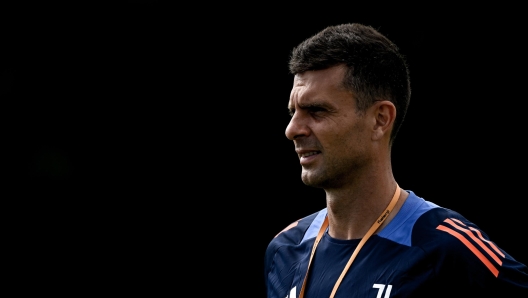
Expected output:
(297, 127)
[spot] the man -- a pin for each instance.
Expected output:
(350, 93)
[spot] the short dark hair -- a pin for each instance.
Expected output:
(376, 70)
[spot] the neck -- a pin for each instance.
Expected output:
(353, 211)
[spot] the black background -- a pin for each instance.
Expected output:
(146, 146)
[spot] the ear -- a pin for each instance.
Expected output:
(384, 113)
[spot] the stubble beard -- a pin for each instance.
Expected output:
(331, 176)
(319, 178)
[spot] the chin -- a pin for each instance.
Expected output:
(311, 179)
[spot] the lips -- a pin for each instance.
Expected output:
(306, 152)
(309, 154)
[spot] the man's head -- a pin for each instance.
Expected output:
(351, 87)
(376, 70)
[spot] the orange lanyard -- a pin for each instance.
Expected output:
(371, 231)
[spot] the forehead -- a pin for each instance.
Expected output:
(329, 77)
(320, 85)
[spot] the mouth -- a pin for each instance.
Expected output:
(307, 154)
(307, 157)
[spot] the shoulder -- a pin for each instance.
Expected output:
(288, 250)
(433, 227)
(420, 221)
(296, 234)
(441, 227)
(301, 229)
(461, 248)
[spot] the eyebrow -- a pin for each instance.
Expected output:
(309, 105)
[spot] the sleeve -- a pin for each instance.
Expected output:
(468, 258)
(283, 255)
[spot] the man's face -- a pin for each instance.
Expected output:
(332, 140)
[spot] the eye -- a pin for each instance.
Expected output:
(316, 110)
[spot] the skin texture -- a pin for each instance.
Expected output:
(343, 151)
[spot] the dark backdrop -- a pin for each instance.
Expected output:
(146, 145)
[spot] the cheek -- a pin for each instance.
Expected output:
(356, 138)
(345, 135)
(333, 137)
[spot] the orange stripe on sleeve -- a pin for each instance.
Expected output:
(489, 242)
(495, 248)
(477, 252)
(480, 243)
(460, 222)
